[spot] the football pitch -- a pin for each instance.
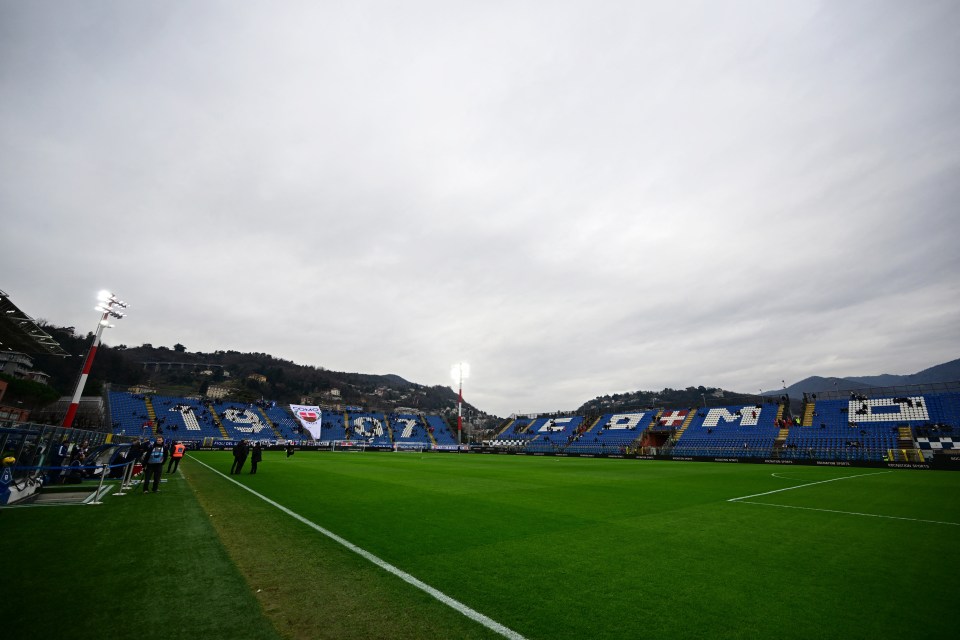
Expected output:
(409, 545)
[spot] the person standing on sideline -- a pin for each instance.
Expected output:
(256, 455)
(289, 448)
(153, 464)
(240, 453)
(175, 456)
(236, 456)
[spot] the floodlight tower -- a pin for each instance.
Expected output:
(107, 302)
(458, 372)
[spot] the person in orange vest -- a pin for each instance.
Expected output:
(176, 452)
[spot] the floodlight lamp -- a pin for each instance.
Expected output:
(104, 323)
(104, 295)
(459, 371)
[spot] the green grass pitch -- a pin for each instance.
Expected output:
(547, 547)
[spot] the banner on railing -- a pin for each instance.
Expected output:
(309, 417)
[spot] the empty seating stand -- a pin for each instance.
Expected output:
(184, 418)
(612, 433)
(244, 421)
(409, 430)
(552, 434)
(369, 428)
(741, 431)
(859, 428)
(128, 411)
(288, 427)
(441, 432)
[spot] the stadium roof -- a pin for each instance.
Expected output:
(20, 333)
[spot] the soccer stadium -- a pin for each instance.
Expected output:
(748, 520)
(696, 263)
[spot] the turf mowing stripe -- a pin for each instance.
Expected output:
(809, 484)
(458, 606)
(850, 513)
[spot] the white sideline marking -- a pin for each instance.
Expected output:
(473, 614)
(809, 484)
(849, 513)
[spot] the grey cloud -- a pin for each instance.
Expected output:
(575, 198)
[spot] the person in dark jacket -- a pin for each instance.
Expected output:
(135, 452)
(153, 459)
(256, 455)
(240, 452)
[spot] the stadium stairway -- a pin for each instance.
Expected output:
(905, 438)
(151, 414)
(273, 427)
(347, 430)
(505, 427)
(808, 408)
(686, 423)
(781, 439)
(386, 423)
(592, 425)
(907, 446)
(426, 429)
(216, 420)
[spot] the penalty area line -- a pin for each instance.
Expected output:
(850, 513)
(800, 486)
(454, 604)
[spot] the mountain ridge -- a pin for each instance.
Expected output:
(940, 373)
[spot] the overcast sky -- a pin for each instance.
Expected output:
(574, 197)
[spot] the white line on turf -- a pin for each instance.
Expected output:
(458, 606)
(809, 484)
(776, 475)
(849, 513)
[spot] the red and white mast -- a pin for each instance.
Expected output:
(107, 302)
(460, 409)
(458, 372)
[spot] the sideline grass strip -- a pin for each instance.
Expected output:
(145, 566)
(454, 604)
(309, 585)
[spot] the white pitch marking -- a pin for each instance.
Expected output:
(473, 614)
(850, 513)
(783, 477)
(809, 484)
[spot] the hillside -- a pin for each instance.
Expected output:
(183, 372)
(641, 400)
(941, 373)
